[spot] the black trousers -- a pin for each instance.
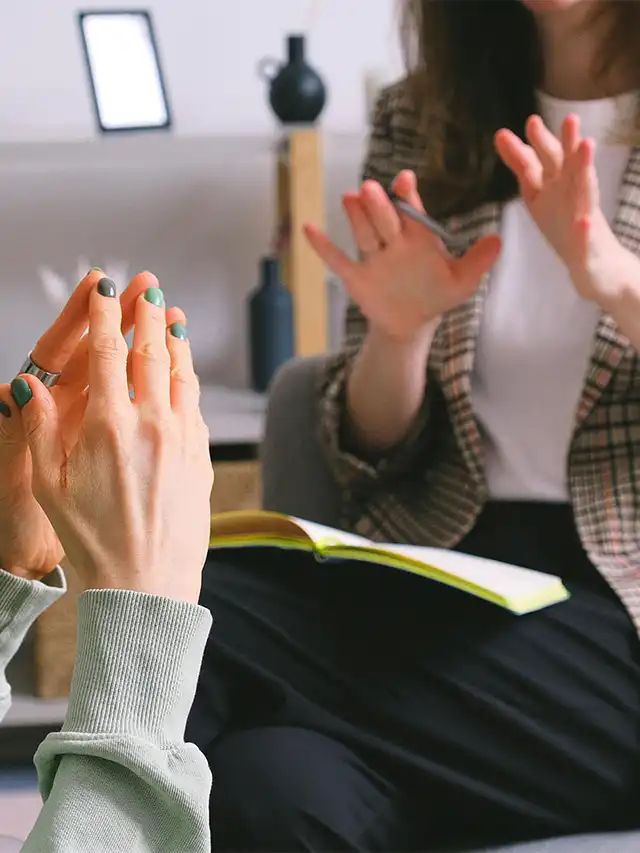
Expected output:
(345, 706)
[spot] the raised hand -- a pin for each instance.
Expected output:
(558, 183)
(130, 499)
(29, 547)
(405, 279)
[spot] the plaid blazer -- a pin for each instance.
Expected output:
(431, 489)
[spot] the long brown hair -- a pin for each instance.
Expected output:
(474, 66)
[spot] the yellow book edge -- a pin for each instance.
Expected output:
(330, 547)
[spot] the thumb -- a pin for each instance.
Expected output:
(405, 186)
(11, 432)
(477, 261)
(39, 417)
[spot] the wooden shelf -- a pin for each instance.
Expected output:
(148, 151)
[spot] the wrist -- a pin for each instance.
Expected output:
(154, 581)
(415, 344)
(28, 574)
(619, 293)
(618, 287)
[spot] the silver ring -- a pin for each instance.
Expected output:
(47, 377)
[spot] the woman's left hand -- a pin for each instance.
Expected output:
(559, 186)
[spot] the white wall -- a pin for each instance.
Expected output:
(209, 49)
(198, 217)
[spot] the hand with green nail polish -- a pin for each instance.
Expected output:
(29, 546)
(138, 475)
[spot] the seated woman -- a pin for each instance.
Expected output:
(487, 401)
(122, 488)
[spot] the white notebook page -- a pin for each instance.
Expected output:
(507, 581)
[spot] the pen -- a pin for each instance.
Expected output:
(422, 218)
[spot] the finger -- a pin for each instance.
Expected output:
(185, 389)
(477, 261)
(380, 211)
(174, 315)
(522, 160)
(406, 187)
(149, 355)
(10, 426)
(584, 179)
(107, 350)
(76, 373)
(337, 261)
(570, 135)
(72, 418)
(39, 418)
(13, 444)
(546, 145)
(363, 233)
(57, 344)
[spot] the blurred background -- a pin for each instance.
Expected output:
(194, 203)
(197, 197)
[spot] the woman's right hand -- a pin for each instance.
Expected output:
(406, 279)
(130, 499)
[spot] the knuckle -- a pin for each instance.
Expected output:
(157, 431)
(183, 376)
(152, 353)
(109, 347)
(107, 427)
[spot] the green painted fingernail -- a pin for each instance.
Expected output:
(106, 287)
(178, 331)
(21, 392)
(155, 296)
(95, 269)
(4, 409)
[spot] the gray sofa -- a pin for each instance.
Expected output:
(297, 481)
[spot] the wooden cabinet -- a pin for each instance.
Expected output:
(237, 485)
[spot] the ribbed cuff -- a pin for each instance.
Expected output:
(21, 602)
(137, 665)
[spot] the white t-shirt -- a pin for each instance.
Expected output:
(537, 334)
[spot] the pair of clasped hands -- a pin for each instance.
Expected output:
(405, 279)
(119, 483)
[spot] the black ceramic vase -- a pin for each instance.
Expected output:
(270, 325)
(296, 92)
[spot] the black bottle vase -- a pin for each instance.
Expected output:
(270, 325)
(297, 93)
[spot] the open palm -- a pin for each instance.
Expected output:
(558, 184)
(405, 277)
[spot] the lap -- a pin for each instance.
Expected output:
(531, 719)
(327, 798)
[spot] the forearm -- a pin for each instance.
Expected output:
(385, 390)
(119, 775)
(21, 602)
(625, 311)
(615, 285)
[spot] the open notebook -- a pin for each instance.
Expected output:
(516, 589)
